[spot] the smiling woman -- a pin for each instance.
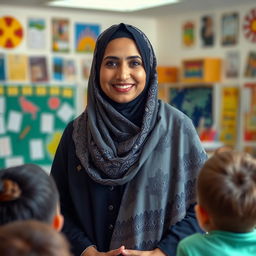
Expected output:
(126, 168)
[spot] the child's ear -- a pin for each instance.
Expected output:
(202, 217)
(58, 222)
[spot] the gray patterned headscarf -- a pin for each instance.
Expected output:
(158, 161)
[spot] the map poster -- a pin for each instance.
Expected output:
(195, 102)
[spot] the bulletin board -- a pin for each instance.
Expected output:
(32, 119)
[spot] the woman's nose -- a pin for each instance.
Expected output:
(123, 72)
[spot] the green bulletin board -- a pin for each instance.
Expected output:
(32, 119)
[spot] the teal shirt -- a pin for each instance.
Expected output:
(216, 243)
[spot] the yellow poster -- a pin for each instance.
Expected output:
(229, 115)
(17, 67)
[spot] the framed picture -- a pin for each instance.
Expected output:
(232, 64)
(188, 34)
(229, 29)
(207, 30)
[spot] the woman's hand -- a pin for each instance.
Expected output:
(92, 251)
(155, 252)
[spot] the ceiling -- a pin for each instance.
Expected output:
(181, 7)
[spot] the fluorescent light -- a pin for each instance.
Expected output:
(111, 5)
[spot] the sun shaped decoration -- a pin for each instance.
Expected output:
(249, 26)
(11, 32)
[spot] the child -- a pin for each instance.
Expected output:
(30, 237)
(226, 207)
(28, 192)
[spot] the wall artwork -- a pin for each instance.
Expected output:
(188, 34)
(250, 69)
(197, 103)
(232, 64)
(32, 119)
(36, 33)
(60, 35)
(249, 26)
(85, 37)
(17, 67)
(207, 30)
(11, 32)
(249, 111)
(38, 69)
(229, 29)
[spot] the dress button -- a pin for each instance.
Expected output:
(110, 227)
(110, 207)
(111, 188)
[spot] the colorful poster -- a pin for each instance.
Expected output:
(207, 31)
(17, 67)
(232, 64)
(36, 33)
(250, 69)
(197, 103)
(2, 67)
(11, 32)
(60, 35)
(249, 26)
(86, 67)
(34, 118)
(38, 69)
(249, 111)
(58, 68)
(188, 34)
(229, 29)
(230, 99)
(85, 37)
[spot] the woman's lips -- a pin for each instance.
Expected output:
(123, 87)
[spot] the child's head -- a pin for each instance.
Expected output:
(30, 237)
(227, 192)
(28, 192)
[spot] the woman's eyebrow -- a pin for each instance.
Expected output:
(127, 58)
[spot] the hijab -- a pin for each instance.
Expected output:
(112, 141)
(134, 109)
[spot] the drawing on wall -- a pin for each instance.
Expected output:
(85, 37)
(207, 31)
(229, 115)
(188, 34)
(249, 26)
(250, 69)
(58, 68)
(2, 67)
(17, 67)
(32, 120)
(38, 69)
(11, 32)
(60, 35)
(86, 67)
(232, 64)
(36, 33)
(69, 70)
(229, 29)
(197, 103)
(249, 111)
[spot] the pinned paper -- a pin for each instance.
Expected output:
(2, 105)
(47, 123)
(14, 122)
(2, 125)
(65, 112)
(5, 149)
(36, 149)
(14, 161)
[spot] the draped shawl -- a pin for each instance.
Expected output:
(158, 161)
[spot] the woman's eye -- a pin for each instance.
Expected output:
(111, 64)
(135, 63)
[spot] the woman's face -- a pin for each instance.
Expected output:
(122, 75)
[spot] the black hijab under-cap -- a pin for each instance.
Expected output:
(134, 109)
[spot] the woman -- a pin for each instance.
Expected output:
(126, 167)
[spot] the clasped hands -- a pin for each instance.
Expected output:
(92, 251)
